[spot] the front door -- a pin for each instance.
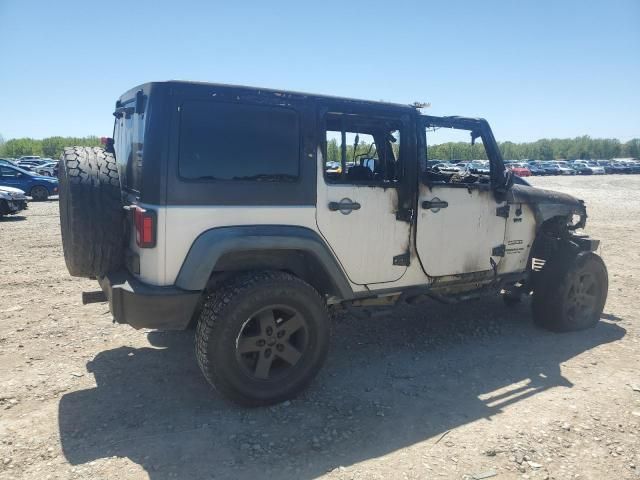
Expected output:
(10, 177)
(360, 162)
(460, 224)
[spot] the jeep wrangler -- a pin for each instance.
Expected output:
(250, 214)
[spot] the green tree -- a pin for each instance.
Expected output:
(50, 147)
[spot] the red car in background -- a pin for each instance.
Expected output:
(519, 169)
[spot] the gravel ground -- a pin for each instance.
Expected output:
(472, 391)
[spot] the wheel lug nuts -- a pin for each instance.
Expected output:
(280, 334)
(269, 331)
(267, 353)
(280, 347)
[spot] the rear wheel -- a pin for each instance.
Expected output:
(39, 193)
(262, 338)
(570, 292)
(91, 213)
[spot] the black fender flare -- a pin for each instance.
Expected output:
(294, 248)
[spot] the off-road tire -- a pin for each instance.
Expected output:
(91, 213)
(225, 313)
(553, 287)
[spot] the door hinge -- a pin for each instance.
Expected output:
(402, 260)
(498, 251)
(503, 211)
(405, 215)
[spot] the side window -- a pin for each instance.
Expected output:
(451, 157)
(361, 149)
(226, 141)
(6, 172)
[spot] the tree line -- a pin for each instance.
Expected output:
(544, 149)
(50, 147)
(583, 147)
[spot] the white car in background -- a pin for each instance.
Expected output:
(12, 201)
(47, 169)
(564, 168)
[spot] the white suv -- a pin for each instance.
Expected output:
(252, 213)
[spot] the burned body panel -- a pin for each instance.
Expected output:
(547, 204)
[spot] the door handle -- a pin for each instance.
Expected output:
(435, 204)
(344, 206)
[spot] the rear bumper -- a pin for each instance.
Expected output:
(148, 306)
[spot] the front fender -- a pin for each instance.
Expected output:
(547, 204)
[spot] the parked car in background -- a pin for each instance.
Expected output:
(587, 167)
(48, 169)
(625, 165)
(536, 167)
(551, 168)
(6, 161)
(595, 168)
(12, 201)
(520, 169)
(479, 167)
(618, 166)
(30, 164)
(36, 186)
(446, 167)
(565, 168)
(606, 164)
(634, 165)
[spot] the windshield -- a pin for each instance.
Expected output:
(459, 160)
(26, 172)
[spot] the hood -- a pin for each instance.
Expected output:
(546, 203)
(11, 190)
(534, 195)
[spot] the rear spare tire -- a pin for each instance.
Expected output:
(91, 213)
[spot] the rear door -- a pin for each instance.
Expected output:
(460, 224)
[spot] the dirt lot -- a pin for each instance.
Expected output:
(429, 392)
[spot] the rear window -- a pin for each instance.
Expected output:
(128, 144)
(225, 141)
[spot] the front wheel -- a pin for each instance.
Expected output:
(262, 338)
(39, 194)
(571, 292)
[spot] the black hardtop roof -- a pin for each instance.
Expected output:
(263, 91)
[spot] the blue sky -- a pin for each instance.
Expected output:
(533, 68)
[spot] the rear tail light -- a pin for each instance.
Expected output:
(145, 222)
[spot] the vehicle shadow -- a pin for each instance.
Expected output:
(12, 218)
(389, 383)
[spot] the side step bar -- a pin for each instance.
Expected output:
(93, 297)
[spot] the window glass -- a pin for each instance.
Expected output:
(362, 149)
(224, 141)
(452, 157)
(128, 144)
(8, 172)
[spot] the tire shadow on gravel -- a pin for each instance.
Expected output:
(388, 383)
